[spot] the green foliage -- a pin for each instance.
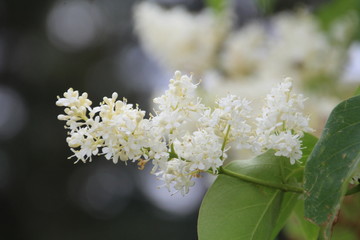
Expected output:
(217, 5)
(331, 164)
(336, 9)
(357, 92)
(235, 209)
(308, 142)
(298, 227)
(292, 199)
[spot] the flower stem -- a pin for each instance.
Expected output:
(172, 153)
(226, 137)
(282, 187)
(225, 141)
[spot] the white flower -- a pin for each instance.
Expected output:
(72, 99)
(180, 95)
(122, 133)
(282, 123)
(86, 142)
(177, 175)
(202, 150)
(286, 144)
(232, 114)
(283, 109)
(184, 138)
(178, 106)
(76, 108)
(114, 127)
(237, 113)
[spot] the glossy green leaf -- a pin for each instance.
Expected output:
(235, 209)
(332, 163)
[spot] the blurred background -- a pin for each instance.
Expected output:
(132, 47)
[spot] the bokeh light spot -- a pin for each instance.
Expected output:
(102, 192)
(13, 113)
(174, 205)
(74, 25)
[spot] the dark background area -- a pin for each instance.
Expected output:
(46, 47)
(43, 195)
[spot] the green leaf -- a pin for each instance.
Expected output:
(235, 209)
(291, 199)
(308, 143)
(332, 163)
(357, 92)
(300, 228)
(287, 206)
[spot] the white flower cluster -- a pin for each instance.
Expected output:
(281, 124)
(114, 126)
(184, 137)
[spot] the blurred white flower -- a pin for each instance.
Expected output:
(244, 50)
(180, 39)
(299, 48)
(291, 44)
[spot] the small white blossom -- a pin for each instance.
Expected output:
(114, 127)
(177, 175)
(178, 106)
(282, 123)
(232, 114)
(122, 132)
(237, 113)
(76, 108)
(202, 150)
(286, 144)
(86, 142)
(72, 99)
